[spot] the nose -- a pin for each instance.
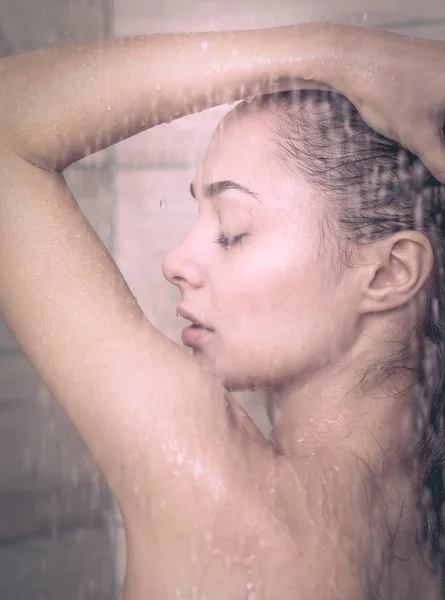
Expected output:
(182, 266)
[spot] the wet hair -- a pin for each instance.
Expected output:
(374, 188)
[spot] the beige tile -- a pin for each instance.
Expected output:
(153, 212)
(178, 144)
(26, 26)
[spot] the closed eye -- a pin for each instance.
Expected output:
(225, 242)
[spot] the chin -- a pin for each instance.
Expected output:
(230, 374)
(239, 382)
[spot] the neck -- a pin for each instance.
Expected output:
(360, 436)
(335, 412)
(356, 441)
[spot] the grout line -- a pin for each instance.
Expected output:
(11, 351)
(54, 531)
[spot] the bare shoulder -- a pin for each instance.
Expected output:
(267, 538)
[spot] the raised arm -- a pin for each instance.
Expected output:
(139, 401)
(61, 104)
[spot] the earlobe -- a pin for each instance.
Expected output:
(399, 267)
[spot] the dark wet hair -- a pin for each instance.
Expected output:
(375, 188)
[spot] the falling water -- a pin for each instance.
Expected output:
(61, 532)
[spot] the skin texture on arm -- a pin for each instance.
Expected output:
(64, 103)
(381, 73)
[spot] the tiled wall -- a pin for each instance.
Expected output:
(57, 521)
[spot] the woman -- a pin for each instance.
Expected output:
(326, 508)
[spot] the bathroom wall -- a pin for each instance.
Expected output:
(60, 533)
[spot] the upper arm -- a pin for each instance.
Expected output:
(147, 411)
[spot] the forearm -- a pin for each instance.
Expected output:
(61, 104)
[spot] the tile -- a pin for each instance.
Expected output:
(179, 144)
(40, 449)
(26, 26)
(76, 565)
(47, 476)
(7, 341)
(153, 212)
(29, 513)
(137, 17)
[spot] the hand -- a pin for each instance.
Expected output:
(397, 83)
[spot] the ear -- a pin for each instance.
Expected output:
(395, 270)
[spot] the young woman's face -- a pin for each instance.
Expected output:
(254, 268)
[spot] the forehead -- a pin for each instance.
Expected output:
(241, 150)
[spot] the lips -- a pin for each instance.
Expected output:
(189, 316)
(196, 334)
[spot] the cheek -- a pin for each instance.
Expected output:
(263, 284)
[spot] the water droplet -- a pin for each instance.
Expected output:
(365, 17)
(108, 106)
(307, 77)
(204, 45)
(159, 87)
(98, 97)
(249, 99)
(163, 204)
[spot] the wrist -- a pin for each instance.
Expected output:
(321, 52)
(341, 52)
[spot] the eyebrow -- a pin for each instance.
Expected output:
(211, 190)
